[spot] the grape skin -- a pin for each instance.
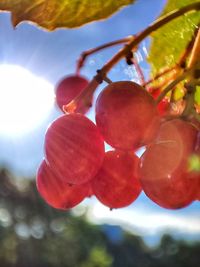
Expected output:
(126, 115)
(117, 185)
(180, 131)
(57, 193)
(68, 88)
(74, 148)
(198, 193)
(127, 118)
(163, 105)
(164, 171)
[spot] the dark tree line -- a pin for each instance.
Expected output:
(33, 234)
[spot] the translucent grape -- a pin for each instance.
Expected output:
(68, 88)
(116, 185)
(57, 193)
(74, 148)
(163, 105)
(126, 115)
(166, 173)
(180, 131)
(198, 193)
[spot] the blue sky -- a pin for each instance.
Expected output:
(51, 55)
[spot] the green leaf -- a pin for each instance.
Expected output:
(197, 95)
(170, 41)
(52, 14)
(194, 163)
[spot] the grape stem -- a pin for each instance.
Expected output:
(189, 99)
(138, 70)
(106, 79)
(159, 75)
(191, 85)
(195, 53)
(180, 78)
(85, 54)
(133, 42)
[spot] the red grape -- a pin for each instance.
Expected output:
(165, 172)
(126, 115)
(163, 105)
(74, 148)
(180, 131)
(198, 193)
(198, 170)
(116, 185)
(68, 88)
(57, 193)
(90, 192)
(195, 160)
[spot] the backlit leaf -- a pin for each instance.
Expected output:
(170, 41)
(52, 14)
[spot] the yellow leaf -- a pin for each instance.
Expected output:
(52, 14)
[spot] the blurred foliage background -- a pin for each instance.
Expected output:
(34, 234)
(31, 232)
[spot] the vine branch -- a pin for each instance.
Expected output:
(138, 70)
(159, 75)
(174, 83)
(85, 54)
(195, 53)
(134, 41)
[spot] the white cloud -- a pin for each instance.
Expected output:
(144, 221)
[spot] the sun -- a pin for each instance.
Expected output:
(25, 100)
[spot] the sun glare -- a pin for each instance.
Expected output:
(25, 100)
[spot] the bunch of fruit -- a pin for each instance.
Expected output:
(76, 166)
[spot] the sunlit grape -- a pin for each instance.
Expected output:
(180, 131)
(116, 185)
(74, 148)
(126, 115)
(56, 192)
(68, 88)
(163, 105)
(166, 173)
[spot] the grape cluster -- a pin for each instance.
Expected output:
(76, 165)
